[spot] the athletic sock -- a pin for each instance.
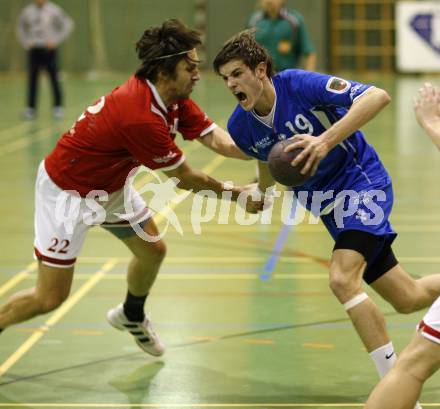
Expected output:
(134, 307)
(384, 358)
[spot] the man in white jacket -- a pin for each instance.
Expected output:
(41, 28)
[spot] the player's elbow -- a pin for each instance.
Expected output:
(383, 97)
(182, 176)
(239, 154)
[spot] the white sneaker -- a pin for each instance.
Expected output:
(28, 113)
(58, 112)
(143, 332)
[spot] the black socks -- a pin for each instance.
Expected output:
(134, 307)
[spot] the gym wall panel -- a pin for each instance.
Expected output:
(107, 30)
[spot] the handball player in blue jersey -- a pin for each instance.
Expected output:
(324, 113)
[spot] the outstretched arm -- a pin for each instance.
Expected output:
(192, 179)
(221, 142)
(427, 110)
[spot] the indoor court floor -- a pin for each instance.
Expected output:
(245, 310)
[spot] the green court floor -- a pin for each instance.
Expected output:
(247, 324)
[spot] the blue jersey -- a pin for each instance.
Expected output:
(309, 103)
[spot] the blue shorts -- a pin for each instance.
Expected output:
(364, 210)
(367, 212)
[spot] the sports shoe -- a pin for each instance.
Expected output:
(58, 112)
(143, 332)
(28, 114)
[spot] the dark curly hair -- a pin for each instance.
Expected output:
(162, 47)
(244, 47)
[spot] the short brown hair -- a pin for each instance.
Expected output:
(243, 46)
(162, 47)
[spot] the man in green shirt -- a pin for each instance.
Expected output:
(284, 34)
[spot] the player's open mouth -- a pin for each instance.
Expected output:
(241, 96)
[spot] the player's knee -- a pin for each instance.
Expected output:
(417, 364)
(342, 286)
(405, 306)
(345, 279)
(160, 250)
(155, 252)
(413, 299)
(52, 302)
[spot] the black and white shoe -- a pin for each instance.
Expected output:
(142, 332)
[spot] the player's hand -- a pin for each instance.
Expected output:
(314, 149)
(427, 106)
(250, 198)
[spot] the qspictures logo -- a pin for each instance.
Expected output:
(346, 206)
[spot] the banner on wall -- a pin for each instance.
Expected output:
(418, 36)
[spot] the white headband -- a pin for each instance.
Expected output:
(170, 55)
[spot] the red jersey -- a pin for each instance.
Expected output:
(126, 128)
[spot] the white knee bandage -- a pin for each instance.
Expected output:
(355, 301)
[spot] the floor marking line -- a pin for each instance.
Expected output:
(71, 301)
(15, 129)
(250, 259)
(187, 405)
(238, 275)
(303, 229)
(83, 290)
(196, 405)
(33, 135)
(38, 135)
(277, 248)
(213, 165)
(198, 342)
(18, 278)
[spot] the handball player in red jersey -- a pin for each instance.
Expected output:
(135, 124)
